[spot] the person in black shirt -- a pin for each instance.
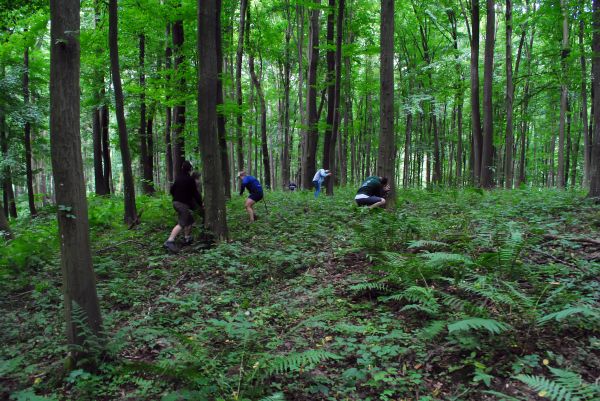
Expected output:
(185, 197)
(372, 192)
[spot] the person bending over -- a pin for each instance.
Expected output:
(318, 180)
(372, 191)
(185, 196)
(256, 192)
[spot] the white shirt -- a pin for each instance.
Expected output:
(320, 175)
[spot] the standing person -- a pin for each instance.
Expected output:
(185, 196)
(372, 192)
(318, 180)
(256, 193)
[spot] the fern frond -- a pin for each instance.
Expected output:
(475, 323)
(587, 311)
(548, 388)
(422, 244)
(296, 361)
(433, 329)
(274, 397)
(435, 259)
(362, 287)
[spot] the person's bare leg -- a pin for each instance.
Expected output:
(378, 204)
(176, 230)
(249, 208)
(187, 230)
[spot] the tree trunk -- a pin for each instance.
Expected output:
(330, 79)
(220, 114)
(28, 168)
(148, 168)
(508, 162)
(475, 111)
(286, 157)
(238, 84)
(386, 162)
(79, 283)
(214, 199)
(9, 194)
(584, 106)
(487, 162)
(563, 98)
(595, 158)
(336, 93)
(168, 111)
(128, 184)
(147, 181)
(5, 231)
(178, 141)
(104, 126)
(100, 182)
(312, 134)
(263, 121)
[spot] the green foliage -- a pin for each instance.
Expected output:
(564, 386)
(295, 362)
(490, 325)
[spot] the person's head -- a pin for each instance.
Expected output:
(186, 167)
(383, 180)
(241, 175)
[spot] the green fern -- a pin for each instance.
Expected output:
(274, 397)
(566, 386)
(585, 310)
(373, 286)
(511, 248)
(423, 299)
(432, 330)
(475, 323)
(295, 361)
(422, 244)
(444, 258)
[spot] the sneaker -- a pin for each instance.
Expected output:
(171, 247)
(188, 240)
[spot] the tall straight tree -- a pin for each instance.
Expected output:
(238, 84)
(28, 167)
(214, 199)
(475, 111)
(337, 93)
(330, 56)
(147, 181)
(178, 141)
(221, 115)
(312, 133)
(7, 185)
(487, 149)
(4, 226)
(563, 97)
(595, 158)
(285, 154)
(584, 102)
(263, 120)
(508, 158)
(100, 182)
(79, 282)
(386, 162)
(168, 110)
(128, 184)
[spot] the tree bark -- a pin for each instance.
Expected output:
(312, 134)
(9, 194)
(215, 217)
(178, 141)
(595, 158)
(563, 98)
(238, 85)
(475, 111)
(584, 106)
(100, 182)
(5, 231)
(386, 162)
(79, 284)
(508, 158)
(487, 162)
(128, 184)
(168, 110)
(337, 91)
(28, 167)
(263, 121)
(285, 157)
(148, 179)
(104, 127)
(220, 114)
(330, 79)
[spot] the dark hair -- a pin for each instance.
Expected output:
(384, 180)
(186, 167)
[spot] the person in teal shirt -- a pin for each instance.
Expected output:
(372, 191)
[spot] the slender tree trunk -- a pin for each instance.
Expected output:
(475, 110)
(595, 158)
(128, 184)
(79, 283)
(5, 231)
(312, 134)
(387, 145)
(147, 181)
(563, 99)
(584, 105)
(178, 140)
(487, 162)
(238, 83)
(330, 77)
(104, 126)
(508, 162)
(100, 182)
(303, 145)
(28, 168)
(214, 199)
(168, 110)
(286, 157)
(263, 121)
(220, 114)
(9, 194)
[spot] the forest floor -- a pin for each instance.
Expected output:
(459, 295)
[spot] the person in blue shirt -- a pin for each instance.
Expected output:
(256, 193)
(318, 180)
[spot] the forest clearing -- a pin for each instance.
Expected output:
(271, 200)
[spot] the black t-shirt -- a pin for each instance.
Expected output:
(371, 187)
(184, 190)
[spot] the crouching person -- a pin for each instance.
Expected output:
(185, 197)
(372, 192)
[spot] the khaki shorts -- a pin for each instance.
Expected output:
(184, 214)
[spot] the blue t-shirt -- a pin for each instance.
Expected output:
(252, 184)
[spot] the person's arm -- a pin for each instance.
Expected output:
(242, 187)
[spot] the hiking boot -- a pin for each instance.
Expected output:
(171, 247)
